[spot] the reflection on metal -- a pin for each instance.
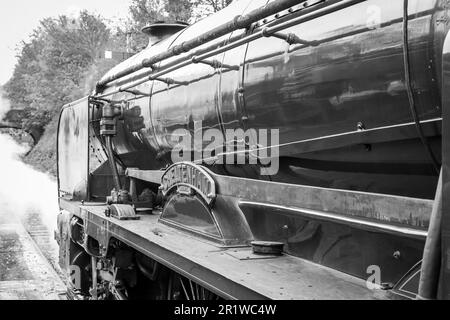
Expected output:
(236, 41)
(414, 213)
(233, 43)
(94, 290)
(408, 286)
(239, 22)
(444, 237)
(189, 213)
(410, 91)
(196, 80)
(345, 220)
(336, 109)
(112, 162)
(73, 150)
(431, 263)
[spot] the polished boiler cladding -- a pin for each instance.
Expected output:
(341, 105)
(354, 89)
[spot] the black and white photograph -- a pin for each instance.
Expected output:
(224, 156)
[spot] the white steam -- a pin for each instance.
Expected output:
(4, 105)
(23, 190)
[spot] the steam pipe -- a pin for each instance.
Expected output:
(94, 290)
(112, 163)
(239, 22)
(431, 263)
(236, 42)
(409, 90)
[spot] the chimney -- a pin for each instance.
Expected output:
(161, 30)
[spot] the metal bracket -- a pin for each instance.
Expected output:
(169, 81)
(135, 92)
(290, 38)
(216, 64)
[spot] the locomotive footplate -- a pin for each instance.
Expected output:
(229, 272)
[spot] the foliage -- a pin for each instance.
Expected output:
(52, 66)
(147, 11)
(144, 12)
(207, 7)
(179, 10)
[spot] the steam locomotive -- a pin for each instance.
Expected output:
(350, 93)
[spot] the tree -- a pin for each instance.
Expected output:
(205, 8)
(85, 38)
(148, 11)
(52, 65)
(213, 5)
(179, 10)
(144, 12)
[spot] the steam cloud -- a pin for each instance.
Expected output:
(24, 190)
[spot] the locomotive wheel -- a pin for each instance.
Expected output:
(181, 288)
(193, 291)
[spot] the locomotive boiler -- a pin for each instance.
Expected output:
(349, 94)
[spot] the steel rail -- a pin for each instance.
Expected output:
(186, 61)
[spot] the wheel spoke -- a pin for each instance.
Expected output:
(184, 289)
(192, 290)
(196, 291)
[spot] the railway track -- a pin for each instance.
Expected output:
(44, 240)
(28, 261)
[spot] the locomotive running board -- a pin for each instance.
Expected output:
(217, 269)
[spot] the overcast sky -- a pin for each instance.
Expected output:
(18, 18)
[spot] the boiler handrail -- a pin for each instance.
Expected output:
(233, 43)
(239, 22)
